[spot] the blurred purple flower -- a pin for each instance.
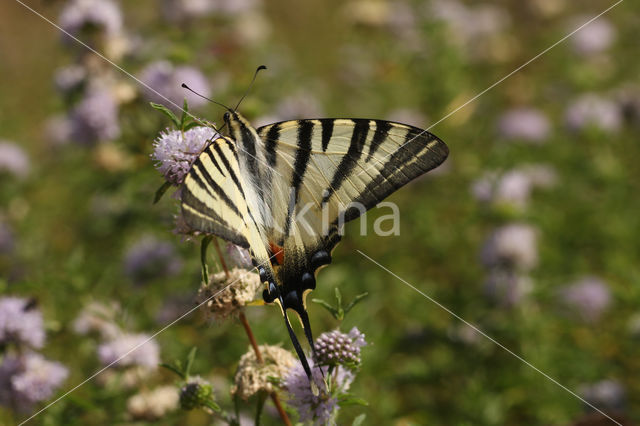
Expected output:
(469, 24)
(20, 322)
(13, 160)
(98, 317)
(596, 37)
(593, 110)
(514, 186)
(507, 288)
(130, 349)
(28, 379)
(95, 118)
(81, 14)
(69, 78)
(7, 241)
(589, 297)
(239, 256)
(512, 246)
(57, 130)
(166, 79)
(150, 258)
(175, 151)
(320, 409)
(527, 124)
(605, 394)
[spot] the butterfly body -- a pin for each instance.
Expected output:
(285, 190)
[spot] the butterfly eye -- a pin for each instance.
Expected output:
(226, 117)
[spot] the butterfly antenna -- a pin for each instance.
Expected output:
(260, 68)
(204, 97)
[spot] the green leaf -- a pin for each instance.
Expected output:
(327, 306)
(190, 358)
(185, 114)
(262, 397)
(166, 111)
(349, 399)
(359, 420)
(174, 369)
(160, 192)
(203, 258)
(213, 406)
(353, 303)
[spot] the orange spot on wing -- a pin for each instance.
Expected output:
(277, 252)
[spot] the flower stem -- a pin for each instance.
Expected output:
(256, 349)
(221, 257)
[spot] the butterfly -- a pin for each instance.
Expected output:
(284, 190)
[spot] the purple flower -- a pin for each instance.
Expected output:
(166, 79)
(408, 116)
(337, 348)
(606, 394)
(13, 160)
(20, 322)
(28, 379)
(594, 38)
(57, 130)
(511, 246)
(298, 105)
(175, 151)
(589, 297)
(78, 15)
(130, 349)
(593, 110)
(507, 288)
(95, 118)
(526, 124)
(69, 78)
(98, 317)
(514, 186)
(323, 407)
(150, 258)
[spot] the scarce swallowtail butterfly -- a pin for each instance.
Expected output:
(283, 191)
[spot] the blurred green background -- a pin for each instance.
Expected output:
(530, 230)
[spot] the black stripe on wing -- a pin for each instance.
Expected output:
(350, 159)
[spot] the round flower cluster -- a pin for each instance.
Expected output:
(29, 378)
(254, 376)
(165, 81)
(154, 404)
(196, 393)
(338, 348)
(175, 151)
(150, 258)
(20, 323)
(224, 297)
(130, 349)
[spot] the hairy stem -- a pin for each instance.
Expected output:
(256, 349)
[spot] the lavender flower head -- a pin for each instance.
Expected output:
(175, 151)
(95, 118)
(589, 297)
(507, 288)
(593, 110)
(28, 379)
(82, 14)
(337, 348)
(594, 38)
(98, 317)
(13, 160)
(69, 78)
(166, 80)
(321, 409)
(511, 246)
(526, 124)
(20, 323)
(130, 350)
(150, 258)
